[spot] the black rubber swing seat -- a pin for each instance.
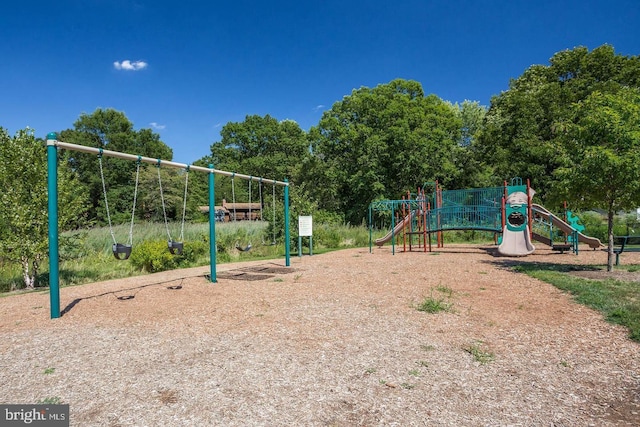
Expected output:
(245, 249)
(175, 247)
(272, 243)
(121, 252)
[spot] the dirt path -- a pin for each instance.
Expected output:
(334, 340)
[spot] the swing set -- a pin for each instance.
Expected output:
(122, 251)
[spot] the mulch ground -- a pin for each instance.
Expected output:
(333, 340)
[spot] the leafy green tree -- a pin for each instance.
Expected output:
(149, 196)
(111, 130)
(602, 154)
(261, 147)
(519, 137)
(378, 143)
(198, 191)
(472, 115)
(23, 206)
(472, 172)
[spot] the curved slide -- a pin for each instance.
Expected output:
(381, 241)
(516, 243)
(593, 242)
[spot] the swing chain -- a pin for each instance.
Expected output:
(106, 202)
(184, 203)
(135, 198)
(260, 196)
(250, 179)
(233, 194)
(164, 210)
(273, 213)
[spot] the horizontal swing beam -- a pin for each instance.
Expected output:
(158, 162)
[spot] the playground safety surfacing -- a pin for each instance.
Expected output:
(337, 342)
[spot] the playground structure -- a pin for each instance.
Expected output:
(506, 211)
(122, 251)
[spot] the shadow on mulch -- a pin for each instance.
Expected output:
(243, 276)
(121, 294)
(493, 251)
(261, 272)
(592, 272)
(509, 263)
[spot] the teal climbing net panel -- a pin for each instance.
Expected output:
(470, 209)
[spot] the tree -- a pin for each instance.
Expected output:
(111, 130)
(261, 147)
(378, 143)
(602, 154)
(519, 138)
(149, 197)
(23, 209)
(472, 115)
(471, 171)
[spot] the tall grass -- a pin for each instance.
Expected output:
(86, 254)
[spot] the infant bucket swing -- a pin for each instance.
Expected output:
(175, 247)
(121, 251)
(233, 196)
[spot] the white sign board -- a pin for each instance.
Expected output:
(638, 214)
(305, 226)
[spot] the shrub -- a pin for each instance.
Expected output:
(153, 256)
(327, 236)
(596, 225)
(192, 251)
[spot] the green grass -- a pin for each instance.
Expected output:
(88, 257)
(479, 352)
(433, 305)
(618, 301)
(52, 400)
(445, 290)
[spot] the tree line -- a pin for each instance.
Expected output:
(572, 127)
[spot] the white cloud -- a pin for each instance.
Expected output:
(130, 66)
(157, 126)
(318, 107)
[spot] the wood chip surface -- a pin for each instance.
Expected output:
(334, 340)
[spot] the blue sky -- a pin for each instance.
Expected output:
(186, 68)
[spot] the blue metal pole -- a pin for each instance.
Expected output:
(286, 225)
(212, 225)
(52, 189)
